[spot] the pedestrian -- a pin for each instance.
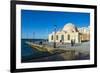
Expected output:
(72, 43)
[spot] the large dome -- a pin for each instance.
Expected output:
(69, 27)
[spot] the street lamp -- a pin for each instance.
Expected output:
(55, 36)
(33, 36)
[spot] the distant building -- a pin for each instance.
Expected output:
(70, 33)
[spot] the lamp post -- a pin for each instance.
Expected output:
(55, 36)
(33, 36)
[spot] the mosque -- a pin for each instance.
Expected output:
(70, 33)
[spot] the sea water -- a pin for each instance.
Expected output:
(28, 53)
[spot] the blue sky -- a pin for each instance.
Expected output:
(38, 24)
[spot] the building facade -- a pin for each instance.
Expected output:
(70, 33)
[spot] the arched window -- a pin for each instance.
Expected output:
(52, 37)
(68, 37)
(56, 37)
(62, 37)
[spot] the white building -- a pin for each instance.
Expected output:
(70, 33)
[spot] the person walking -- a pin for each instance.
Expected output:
(72, 43)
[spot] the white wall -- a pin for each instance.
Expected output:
(5, 37)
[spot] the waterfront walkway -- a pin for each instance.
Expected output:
(62, 51)
(78, 47)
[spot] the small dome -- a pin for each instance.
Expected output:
(69, 27)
